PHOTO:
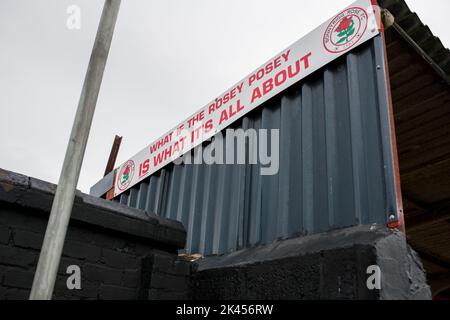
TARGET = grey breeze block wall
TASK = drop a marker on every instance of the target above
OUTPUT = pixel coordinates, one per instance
(331, 265)
(123, 253)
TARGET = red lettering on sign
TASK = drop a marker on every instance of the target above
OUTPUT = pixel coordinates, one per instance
(226, 98)
(231, 112)
(208, 126)
(197, 118)
(162, 156)
(144, 168)
(269, 68)
(281, 77)
(178, 146)
(161, 143)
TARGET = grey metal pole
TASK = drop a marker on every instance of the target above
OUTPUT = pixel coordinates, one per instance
(47, 268)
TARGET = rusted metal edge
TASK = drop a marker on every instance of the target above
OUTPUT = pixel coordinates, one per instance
(396, 219)
(113, 155)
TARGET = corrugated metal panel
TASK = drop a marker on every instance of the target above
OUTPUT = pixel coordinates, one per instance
(335, 166)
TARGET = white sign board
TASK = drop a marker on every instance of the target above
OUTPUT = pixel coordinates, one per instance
(351, 27)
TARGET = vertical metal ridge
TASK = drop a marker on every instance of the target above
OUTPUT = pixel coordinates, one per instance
(235, 207)
(320, 216)
(219, 212)
(307, 159)
(331, 141)
(356, 134)
(185, 193)
(226, 205)
(169, 197)
(394, 201)
(284, 168)
(159, 190)
(245, 226)
(344, 182)
(285, 165)
(143, 188)
(270, 196)
(207, 221)
(243, 210)
(164, 192)
(255, 196)
(149, 201)
(373, 157)
(195, 209)
(123, 198)
(178, 172)
(292, 121)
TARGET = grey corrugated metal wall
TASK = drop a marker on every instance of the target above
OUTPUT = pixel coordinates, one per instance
(335, 166)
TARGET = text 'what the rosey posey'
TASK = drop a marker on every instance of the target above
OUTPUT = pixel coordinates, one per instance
(224, 110)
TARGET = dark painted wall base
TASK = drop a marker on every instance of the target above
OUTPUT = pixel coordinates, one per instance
(328, 266)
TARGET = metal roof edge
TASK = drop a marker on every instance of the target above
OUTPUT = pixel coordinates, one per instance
(419, 36)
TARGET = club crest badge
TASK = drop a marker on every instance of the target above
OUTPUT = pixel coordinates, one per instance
(345, 30)
(125, 175)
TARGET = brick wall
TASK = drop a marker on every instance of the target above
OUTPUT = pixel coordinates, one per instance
(169, 277)
(123, 253)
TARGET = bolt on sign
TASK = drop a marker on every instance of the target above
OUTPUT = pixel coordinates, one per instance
(348, 29)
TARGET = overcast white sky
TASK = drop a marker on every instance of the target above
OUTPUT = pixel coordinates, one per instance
(168, 59)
